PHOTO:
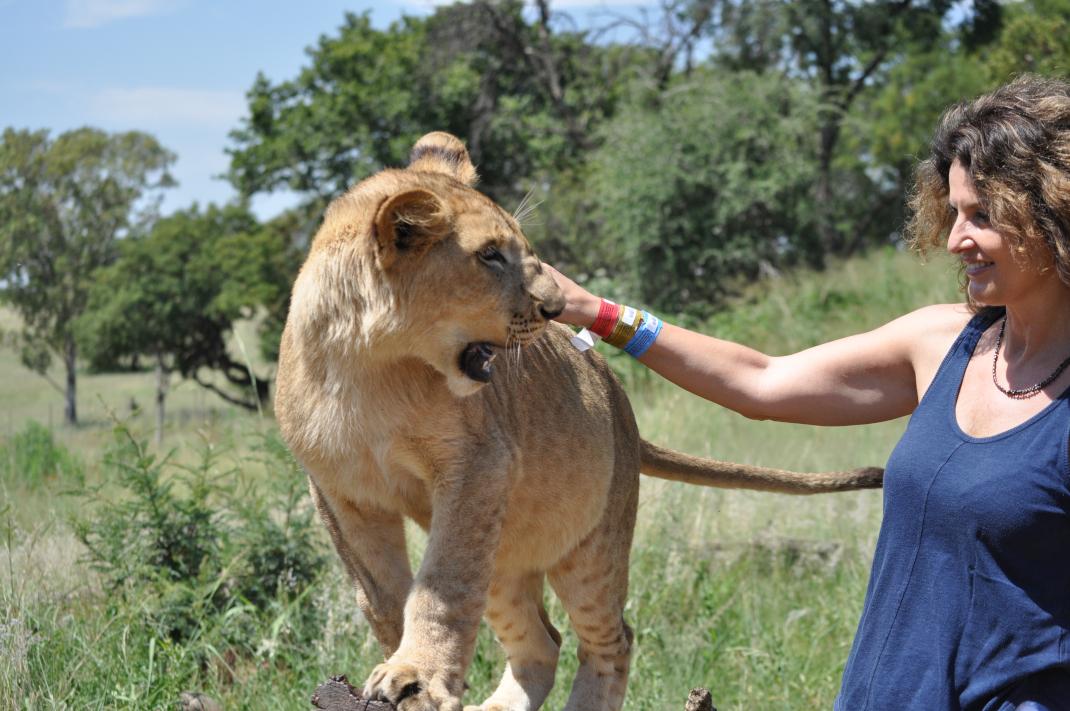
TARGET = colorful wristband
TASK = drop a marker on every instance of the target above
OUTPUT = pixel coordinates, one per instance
(608, 313)
(648, 332)
(628, 323)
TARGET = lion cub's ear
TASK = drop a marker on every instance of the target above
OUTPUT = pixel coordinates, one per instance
(408, 224)
(442, 152)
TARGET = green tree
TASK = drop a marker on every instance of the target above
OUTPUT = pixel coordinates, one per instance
(705, 187)
(175, 293)
(891, 128)
(63, 205)
(845, 50)
(525, 100)
(1035, 38)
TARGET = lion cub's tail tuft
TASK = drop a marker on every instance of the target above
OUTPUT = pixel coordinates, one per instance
(675, 466)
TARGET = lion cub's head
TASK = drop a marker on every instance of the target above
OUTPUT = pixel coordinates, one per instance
(415, 263)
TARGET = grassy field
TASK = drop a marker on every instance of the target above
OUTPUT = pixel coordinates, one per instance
(755, 596)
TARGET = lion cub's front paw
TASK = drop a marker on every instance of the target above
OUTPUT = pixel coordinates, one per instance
(410, 688)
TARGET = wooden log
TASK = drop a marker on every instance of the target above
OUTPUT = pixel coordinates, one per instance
(337, 694)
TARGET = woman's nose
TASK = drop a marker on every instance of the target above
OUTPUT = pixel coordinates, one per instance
(958, 241)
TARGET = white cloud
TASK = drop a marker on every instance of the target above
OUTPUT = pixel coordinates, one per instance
(93, 13)
(164, 106)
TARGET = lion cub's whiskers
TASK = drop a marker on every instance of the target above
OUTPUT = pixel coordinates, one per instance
(513, 347)
(526, 207)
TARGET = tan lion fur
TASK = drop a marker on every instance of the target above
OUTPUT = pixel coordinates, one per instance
(533, 475)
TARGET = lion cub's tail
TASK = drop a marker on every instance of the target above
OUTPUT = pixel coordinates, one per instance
(667, 464)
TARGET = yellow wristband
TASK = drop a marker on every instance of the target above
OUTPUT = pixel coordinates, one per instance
(627, 324)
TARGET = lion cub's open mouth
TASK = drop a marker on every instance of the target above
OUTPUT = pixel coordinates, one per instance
(477, 361)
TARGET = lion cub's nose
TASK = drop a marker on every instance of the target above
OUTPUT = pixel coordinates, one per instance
(549, 314)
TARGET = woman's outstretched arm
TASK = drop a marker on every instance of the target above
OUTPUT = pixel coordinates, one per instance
(868, 377)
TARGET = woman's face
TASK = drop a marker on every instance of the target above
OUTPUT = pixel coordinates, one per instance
(995, 277)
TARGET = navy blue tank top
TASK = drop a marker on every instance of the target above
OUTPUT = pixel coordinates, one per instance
(970, 587)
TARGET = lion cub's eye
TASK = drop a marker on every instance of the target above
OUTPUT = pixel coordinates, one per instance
(491, 256)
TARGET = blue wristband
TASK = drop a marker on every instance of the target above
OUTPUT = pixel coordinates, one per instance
(645, 336)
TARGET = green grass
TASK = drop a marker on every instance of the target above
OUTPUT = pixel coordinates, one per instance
(104, 396)
(754, 596)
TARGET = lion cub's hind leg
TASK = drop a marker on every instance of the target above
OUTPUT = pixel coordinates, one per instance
(515, 611)
(592, 584)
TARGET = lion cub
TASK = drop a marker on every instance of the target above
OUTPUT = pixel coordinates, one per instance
(521, 466)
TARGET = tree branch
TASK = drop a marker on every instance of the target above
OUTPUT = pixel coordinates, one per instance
(860, 82)
(541, 61)
(674, 37)
(207, 385)
(59, 388)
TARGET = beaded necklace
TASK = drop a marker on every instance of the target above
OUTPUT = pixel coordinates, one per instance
(1022, 393)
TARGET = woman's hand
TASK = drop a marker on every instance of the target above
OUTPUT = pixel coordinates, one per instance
(581, 306)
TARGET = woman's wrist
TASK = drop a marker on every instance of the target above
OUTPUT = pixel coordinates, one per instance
(632, 330)
(581, 309)
(588, 310)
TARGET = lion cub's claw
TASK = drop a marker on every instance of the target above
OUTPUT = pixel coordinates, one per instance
(403, 684)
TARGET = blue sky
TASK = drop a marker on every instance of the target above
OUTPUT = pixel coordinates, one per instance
(178, 69)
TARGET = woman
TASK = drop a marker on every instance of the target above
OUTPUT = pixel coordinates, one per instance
(968, 604)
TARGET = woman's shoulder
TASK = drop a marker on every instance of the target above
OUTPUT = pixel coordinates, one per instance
(938, 321)
(928, 333)
(939, 318)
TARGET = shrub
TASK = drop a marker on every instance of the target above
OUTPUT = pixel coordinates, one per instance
(32, 457)
(212, 557)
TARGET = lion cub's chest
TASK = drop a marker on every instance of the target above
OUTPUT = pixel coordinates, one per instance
(397, 463)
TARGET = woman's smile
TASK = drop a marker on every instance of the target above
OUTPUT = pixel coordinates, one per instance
(975, 269)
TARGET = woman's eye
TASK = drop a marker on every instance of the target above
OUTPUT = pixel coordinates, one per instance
(980, 218)
(491, 255)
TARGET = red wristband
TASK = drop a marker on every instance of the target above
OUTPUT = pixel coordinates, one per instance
(607, 318)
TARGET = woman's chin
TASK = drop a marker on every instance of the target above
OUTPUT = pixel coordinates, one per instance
(981, 295)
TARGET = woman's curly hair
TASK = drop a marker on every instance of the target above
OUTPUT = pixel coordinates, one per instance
(1014, 143)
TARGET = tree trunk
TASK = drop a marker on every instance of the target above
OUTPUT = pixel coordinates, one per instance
(70, 411)
(163, 383)
(826, 228)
